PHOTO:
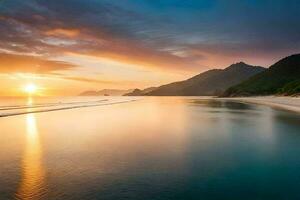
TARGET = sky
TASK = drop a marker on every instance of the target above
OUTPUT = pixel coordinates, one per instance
(69, 46)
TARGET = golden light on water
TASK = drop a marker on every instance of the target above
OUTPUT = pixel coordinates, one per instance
(32, 174)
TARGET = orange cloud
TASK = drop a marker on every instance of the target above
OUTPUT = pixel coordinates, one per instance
(98, 42)
(89, 80)
(63, 32)
(131, 52)
(2, 17)
(12, 63)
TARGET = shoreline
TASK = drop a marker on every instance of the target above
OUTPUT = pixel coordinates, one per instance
(286, 103)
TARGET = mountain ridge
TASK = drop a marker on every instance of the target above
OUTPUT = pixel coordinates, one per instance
(209, 83)
(283, 78)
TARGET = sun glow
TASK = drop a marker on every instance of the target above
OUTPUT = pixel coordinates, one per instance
(30, 88)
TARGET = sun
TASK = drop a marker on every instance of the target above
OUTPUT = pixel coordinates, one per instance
(30, 88)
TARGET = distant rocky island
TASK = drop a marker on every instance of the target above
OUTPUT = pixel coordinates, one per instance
(105, 92)
(138, 92)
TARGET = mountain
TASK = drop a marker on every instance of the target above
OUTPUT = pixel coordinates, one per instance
(281, 78)
(212, 82)
(105, 92)
(138, 92)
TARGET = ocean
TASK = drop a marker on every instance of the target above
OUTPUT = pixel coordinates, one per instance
(141, 148)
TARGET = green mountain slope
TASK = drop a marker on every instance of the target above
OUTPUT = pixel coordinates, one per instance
(212, 82)
(281, 78)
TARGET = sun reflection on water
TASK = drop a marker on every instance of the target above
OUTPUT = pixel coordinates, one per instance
(29, 101)
(32, 172)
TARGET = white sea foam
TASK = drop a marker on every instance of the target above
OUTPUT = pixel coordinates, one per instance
(6, 111)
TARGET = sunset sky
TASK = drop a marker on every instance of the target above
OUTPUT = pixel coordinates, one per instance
(68, 46)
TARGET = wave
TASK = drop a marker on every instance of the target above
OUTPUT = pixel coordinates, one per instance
(59, 106)
(16, 107)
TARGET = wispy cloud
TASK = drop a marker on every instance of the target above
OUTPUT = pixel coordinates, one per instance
(13, 63)
(163, 35)
(89, 80)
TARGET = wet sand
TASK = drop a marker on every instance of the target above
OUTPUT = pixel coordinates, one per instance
(287, 103)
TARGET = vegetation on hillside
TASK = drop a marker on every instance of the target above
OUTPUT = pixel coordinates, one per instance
(281, 78)
(210, 83)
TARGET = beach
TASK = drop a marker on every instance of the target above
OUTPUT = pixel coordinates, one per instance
(286, 103)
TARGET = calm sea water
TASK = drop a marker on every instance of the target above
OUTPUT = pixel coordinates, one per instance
(151, 148)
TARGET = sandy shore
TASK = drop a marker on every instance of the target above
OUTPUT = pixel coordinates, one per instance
(287, 103)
